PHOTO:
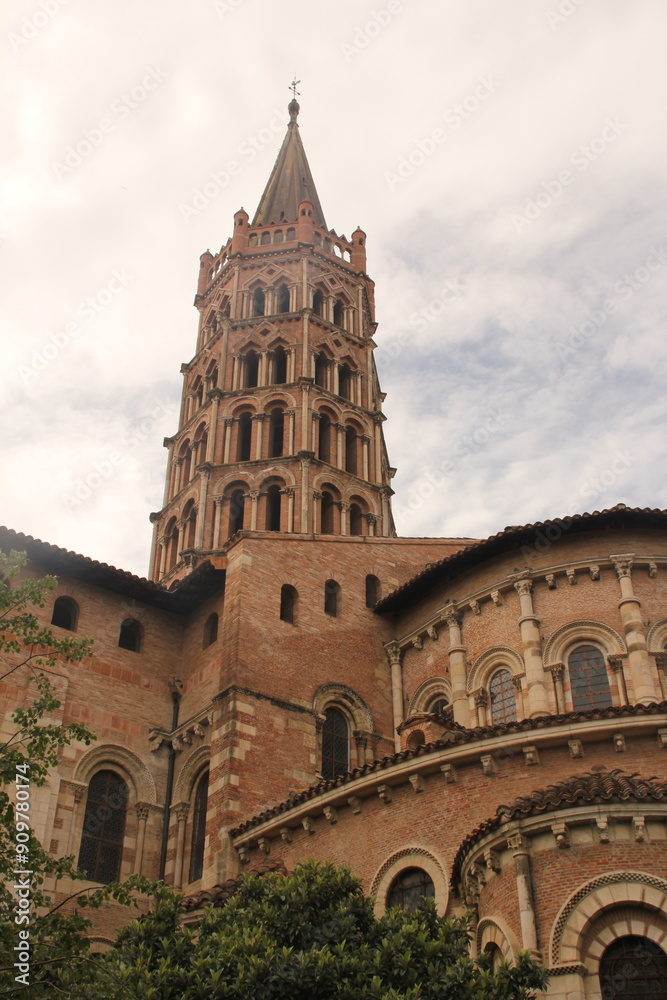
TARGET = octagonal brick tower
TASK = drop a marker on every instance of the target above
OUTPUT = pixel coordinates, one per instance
(281, 421)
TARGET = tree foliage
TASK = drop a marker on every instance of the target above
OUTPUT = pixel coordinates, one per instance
(308, 935)
(56, 935)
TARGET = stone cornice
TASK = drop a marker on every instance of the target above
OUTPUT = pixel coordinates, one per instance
(476, 602)
(466, 748)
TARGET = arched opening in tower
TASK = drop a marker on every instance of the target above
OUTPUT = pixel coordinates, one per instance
(273, 508)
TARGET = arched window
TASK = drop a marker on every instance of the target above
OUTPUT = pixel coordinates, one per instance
(278, 235)
(273, 508)
(318, 303)
(332, 598)
(335, 744)
(356, 520)
(372, 590)
(198, 829)
(130, 635)
(171, 543)
(503, 697)
(288, 603)
(633, 967)
(251, 369)
(324, 442)
(321, 370)
(283, 299)
(440, 706)
(290, 235)
(280, 365)
(65, 613)
(409, 888)
(264, 240)
(351, 450)
(103, 827)
(345, 381)
(338, 312)
(236, 511)
(416, 739)
(276, 433)
(588, 679)
(245, 437)
(190, 529)
(210, 630)
(258, 299)
(327, 527)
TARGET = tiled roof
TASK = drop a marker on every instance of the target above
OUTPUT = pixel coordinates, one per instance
(454, 734)
(619, 516)
(577, 790)
(218, 894)
(187, 594)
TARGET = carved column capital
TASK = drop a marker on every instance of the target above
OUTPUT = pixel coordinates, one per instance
(523, 587)
(481, 698)
(394, 653)
(623, 564)
(142, 810)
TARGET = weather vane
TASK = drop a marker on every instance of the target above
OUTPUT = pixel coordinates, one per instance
(293, 86)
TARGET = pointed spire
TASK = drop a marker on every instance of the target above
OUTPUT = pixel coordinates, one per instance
(291, 181)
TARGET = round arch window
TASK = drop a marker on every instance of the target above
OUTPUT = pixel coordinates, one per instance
(632, 967)
(409, 888)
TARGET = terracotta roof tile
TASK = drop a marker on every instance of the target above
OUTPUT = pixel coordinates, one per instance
(616, 516)
(577, 790)
(218, 894)
(454, 734)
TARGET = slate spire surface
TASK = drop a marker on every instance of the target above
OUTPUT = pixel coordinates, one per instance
(291, 181)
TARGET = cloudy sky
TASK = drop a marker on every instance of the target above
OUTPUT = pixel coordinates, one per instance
(506, 160)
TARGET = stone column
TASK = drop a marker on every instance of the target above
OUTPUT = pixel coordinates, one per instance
(262, 375)
(643, 684)
(289, 493)
(340, 445)
(372, 521)
(181, 810)
(524, 890)
(168, 473)
(254, 498)
(176, 476)
(333, 378)
(291, 414)
(344, 508)
(218, 503)
(229, 426)
(291, 363)
(394, 654)
(201, 518)
(481, 704)
(163, 558)
(305, 407)
(385, 512)
(142, 809)
(180, 525)
(378, 448)
(236, 371)
(365, 441)
(557, 670)
(616, 664)
(661, 664)
(305, 489)
(314, 444)
(213, 430)
(538, 698)
(457, 667)
(259, 424)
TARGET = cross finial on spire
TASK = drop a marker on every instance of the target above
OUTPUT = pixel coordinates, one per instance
(293, 85)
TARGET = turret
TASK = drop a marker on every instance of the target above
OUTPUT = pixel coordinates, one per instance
(240, 237)
(205, 262)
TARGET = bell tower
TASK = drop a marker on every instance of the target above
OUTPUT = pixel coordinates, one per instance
(281, 419)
